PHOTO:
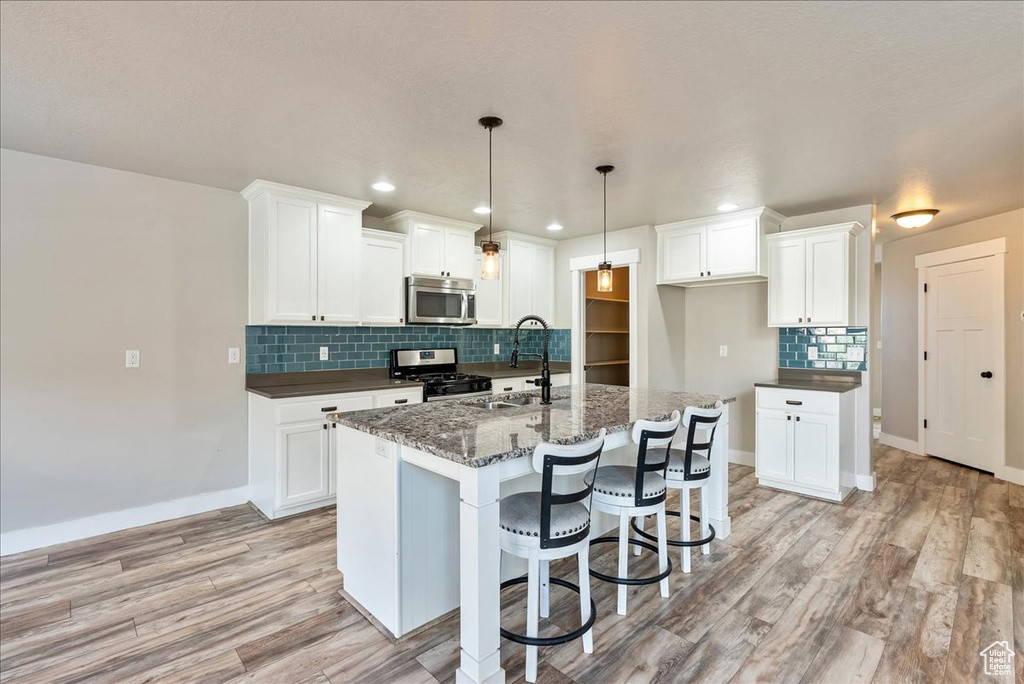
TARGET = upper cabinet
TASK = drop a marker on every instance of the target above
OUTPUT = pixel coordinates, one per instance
(304, 255)
(528, 272)
(437, 246)
(718, 250)
(812, 276)
(490, 295)
(383, 285)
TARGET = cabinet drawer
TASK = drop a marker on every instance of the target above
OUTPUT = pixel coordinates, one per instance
(798, 401)
(503, 385)
(398, 398)
(317, 409)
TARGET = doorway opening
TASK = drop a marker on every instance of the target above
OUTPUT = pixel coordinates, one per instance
(606, 326)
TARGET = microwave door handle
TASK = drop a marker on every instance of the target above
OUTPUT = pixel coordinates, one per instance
(465, 306)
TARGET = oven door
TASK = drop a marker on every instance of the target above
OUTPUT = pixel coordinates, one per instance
(441, 306)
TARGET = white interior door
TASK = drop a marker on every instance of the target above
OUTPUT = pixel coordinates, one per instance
(964, 387)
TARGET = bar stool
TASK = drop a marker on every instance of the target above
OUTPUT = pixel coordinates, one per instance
(544, 526)
(690, 470)
(637, 491)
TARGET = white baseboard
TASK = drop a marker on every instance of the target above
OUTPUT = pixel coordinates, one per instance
(900, 443)
(741, 457)
(877, 413)
(865, 482)
(83, 528)
(1010, 474)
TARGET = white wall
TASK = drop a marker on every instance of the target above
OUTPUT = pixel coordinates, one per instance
(899, 324)
(96, 261)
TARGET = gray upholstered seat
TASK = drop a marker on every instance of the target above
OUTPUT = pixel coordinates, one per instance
(520, 514)
(699, 465)
(620, 481)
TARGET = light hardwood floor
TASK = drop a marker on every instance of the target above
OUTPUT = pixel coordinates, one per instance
(905, 584)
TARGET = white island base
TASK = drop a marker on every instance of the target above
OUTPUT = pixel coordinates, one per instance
(418, 535)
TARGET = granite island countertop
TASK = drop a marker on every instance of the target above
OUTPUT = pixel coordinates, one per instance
(464, 432)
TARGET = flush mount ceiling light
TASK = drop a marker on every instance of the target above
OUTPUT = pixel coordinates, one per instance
(914, 219)
(728, 207)
(383, 186)
(491, 266)
(555, 226)
(604, 269)
(482, 210)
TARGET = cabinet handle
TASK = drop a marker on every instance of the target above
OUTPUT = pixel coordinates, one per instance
(328, 409)
(401, 401)
(325, 426)
(321, 318)
(709, 272)
(808, 319)
(314, 317)
(800, 320)
(794, 402)
(789, 417)
(798, 419)
(702, 274)
(506, 389)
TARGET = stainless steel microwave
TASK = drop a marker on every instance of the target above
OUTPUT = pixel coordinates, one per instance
(440, 301)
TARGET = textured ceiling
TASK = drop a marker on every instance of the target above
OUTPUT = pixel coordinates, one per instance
(802, 107)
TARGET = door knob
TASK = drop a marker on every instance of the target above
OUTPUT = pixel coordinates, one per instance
(986, 374)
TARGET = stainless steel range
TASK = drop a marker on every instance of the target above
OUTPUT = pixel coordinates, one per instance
(437, 369)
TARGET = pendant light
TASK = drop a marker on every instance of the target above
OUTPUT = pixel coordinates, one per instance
(491, 265)
(604, 269)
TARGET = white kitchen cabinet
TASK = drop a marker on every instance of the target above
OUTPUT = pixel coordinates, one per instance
(813, 276)
(304, 248)
(437, 246)
(293, 447)
(382, 290)
(717, 250)
(529, 276)
(520, 384)
(490, 296)
(805, 441)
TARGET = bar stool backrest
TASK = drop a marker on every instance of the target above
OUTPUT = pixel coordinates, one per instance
(653, 435)
(704, 421)
(560, 460)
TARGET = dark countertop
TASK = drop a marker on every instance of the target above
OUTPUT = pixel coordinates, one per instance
(314, 383)
(464, 432)
(814, 380)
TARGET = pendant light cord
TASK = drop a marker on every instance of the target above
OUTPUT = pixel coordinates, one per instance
(490, 184)
(604, 232)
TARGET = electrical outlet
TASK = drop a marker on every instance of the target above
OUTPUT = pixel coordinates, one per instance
(380, 447)
(723, 350)
(234, 355)
(812, 353)
(497, 348)
(855, 353)
(131, 358)
(325, 354)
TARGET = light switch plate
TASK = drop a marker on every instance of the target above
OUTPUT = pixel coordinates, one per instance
(132, 358)
(234, 355)
(325, 354)
(723, 350)
(497, 348)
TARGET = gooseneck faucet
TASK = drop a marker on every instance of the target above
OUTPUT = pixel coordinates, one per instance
(544, 381)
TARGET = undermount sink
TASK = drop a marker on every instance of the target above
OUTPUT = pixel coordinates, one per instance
(493, 405)
(514, 402)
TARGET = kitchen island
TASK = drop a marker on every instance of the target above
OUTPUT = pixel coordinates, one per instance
(418, 491)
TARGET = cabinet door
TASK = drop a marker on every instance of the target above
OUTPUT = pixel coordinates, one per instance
(503, 385)
(543, 295)
(291, 260)
(519, 279)
(489, 302)
(815, 453)
(682, 256)
(382, 290)
(303, 463)
(427, 256)
(338, 243)
(827, 280)
(786, 282)
(731, 249)
(774, 455)
(459, 253)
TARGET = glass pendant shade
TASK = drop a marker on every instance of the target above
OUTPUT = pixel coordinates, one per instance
(490, 268)
(604, 276)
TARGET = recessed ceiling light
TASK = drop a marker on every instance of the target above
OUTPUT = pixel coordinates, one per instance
(482, 210)
(555, 226)
(914, 219)
(728, 207)
(383, 186)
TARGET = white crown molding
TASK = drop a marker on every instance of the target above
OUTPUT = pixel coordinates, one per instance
(104, 523)
(385, 235)
(772, 216)
(854, 228)
(258, 187)
(410, 215)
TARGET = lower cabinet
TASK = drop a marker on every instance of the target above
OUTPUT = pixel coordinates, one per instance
(805, 441)
(293, 447)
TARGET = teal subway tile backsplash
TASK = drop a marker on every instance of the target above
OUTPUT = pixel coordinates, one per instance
(294, 348)
(823, 348)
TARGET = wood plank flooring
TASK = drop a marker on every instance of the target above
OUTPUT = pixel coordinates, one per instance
(904, 584)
